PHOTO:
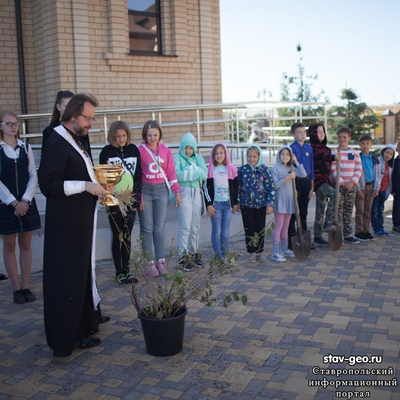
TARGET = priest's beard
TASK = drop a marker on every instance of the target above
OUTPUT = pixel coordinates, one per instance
(80, 130)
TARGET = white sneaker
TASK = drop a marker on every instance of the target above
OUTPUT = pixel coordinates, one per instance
(288, 253)
(278, 258)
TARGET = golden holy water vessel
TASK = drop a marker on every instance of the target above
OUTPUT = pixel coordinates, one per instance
(108, 175)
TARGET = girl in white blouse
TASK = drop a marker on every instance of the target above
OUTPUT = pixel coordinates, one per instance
(18, 211)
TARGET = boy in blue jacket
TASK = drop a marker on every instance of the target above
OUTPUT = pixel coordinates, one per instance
(304, 186)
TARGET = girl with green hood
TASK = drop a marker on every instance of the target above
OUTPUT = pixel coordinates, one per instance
(256, 199)
(191, 171)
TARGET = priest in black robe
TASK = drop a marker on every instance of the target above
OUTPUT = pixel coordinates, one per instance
(66, 178)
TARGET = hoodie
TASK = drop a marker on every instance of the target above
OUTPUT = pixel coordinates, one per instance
(284, 202)
(190, 171)
(232, 172)
(151, 166)
(256, 185)
(322, 157)
(391, 184)
(209, 190)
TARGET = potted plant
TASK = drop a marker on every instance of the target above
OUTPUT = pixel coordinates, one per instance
(161, 303)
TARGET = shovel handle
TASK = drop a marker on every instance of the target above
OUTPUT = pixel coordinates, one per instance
(337, 189)
(296, 205)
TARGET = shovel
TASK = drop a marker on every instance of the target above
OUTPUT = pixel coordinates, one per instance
(301, 242)
(335, 237)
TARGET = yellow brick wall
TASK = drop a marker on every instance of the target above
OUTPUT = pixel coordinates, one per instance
(83, 46)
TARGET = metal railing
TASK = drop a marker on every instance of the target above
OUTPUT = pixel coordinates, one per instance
(233, 114)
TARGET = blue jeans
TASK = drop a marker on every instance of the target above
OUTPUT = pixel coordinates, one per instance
(378, 207)
(155, 197)
(189, 214)
(220, 228)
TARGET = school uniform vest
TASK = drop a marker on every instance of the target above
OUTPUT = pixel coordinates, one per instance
(14, 175)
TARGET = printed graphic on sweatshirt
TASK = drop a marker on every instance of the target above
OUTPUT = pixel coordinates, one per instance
(154, 168)
(129, 163)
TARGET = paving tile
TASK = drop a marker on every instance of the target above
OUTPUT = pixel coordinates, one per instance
(341, 303)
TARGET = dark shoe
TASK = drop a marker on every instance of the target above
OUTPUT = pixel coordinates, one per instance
(121, 279)
(196, 258)
(368, 236)
(29, 296)
(19, 297)
(321, 242)
(131, 278)
(312, 248)
(61, 353)
(87, 343)
(351, 240)
(381, 233)
(329, 227)
(185, 264)
(3, 277)
(103, 319)
(396, 230)
(361, 237)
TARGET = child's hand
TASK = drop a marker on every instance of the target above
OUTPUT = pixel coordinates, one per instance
(141, 207)
(21, 208)
(338, 156)
(178, 199)
(376, 192)
(292, 175)
(349, 185)
(294, 159)
(235, 208)
(270, 210)
(211, 211)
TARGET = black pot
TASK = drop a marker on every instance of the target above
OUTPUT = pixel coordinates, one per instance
(164, 337)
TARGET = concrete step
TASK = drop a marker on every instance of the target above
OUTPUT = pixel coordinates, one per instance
(103, 242)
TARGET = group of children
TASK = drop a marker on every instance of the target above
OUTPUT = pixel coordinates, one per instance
(220, 190)
(365, 182)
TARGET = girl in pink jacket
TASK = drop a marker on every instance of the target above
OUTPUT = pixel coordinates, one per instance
(158, 176)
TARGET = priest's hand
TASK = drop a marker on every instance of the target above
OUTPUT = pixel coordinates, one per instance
(94, 188)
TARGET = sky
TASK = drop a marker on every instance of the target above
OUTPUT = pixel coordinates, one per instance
(348, 43)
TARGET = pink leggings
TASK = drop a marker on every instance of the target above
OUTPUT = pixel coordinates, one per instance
(280, 231)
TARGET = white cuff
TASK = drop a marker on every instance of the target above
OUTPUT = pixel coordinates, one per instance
(73, 187)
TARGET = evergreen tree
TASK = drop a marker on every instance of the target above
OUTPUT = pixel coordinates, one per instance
(299, 88)
(354, 114)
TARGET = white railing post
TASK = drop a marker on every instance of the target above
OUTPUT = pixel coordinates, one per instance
(105, 127)
(198, 125)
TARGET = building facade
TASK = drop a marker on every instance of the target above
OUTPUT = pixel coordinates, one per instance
(134, 53)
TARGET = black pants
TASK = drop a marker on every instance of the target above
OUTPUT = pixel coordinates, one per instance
(121, 228)
(303, 187)
(396, 210)
(254, 222)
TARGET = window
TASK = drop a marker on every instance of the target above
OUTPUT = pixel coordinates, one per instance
(144, 26)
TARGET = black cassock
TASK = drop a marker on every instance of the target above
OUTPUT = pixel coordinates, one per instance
(69, 289)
